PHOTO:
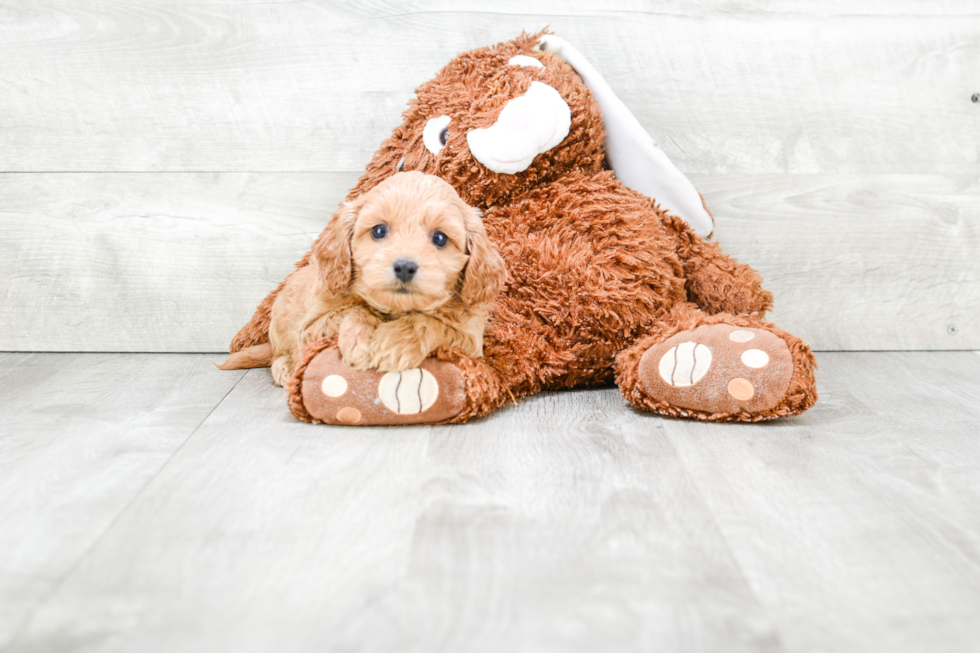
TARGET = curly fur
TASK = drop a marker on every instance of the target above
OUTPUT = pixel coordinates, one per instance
(597, 272)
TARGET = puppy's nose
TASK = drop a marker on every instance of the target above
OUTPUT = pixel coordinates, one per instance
(405, 269)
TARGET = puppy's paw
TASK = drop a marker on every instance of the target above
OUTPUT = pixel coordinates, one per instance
(355, 349)
(397, 361)
(354, 342)
(357, 358)
(281, 370)
(396, 347)
(314, 331)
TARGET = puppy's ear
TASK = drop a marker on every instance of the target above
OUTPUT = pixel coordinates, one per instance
(332, 250)
(485, 272)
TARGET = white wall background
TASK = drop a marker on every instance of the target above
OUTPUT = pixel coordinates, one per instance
(164, 163)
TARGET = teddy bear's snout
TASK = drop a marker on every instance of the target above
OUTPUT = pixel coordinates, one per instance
(528, 126)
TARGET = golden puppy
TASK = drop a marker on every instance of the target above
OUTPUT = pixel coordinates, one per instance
(400, 271)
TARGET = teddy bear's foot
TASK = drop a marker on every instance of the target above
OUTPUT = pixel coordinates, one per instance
(726, 372)
(323, 389)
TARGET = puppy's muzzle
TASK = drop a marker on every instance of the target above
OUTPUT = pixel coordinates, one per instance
(405, 269)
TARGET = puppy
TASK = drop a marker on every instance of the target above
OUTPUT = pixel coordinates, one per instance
(400, 271)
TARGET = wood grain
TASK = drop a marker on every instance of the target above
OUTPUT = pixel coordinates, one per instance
(567, 523)
(858, 527)
(80, 437)
(860, 262)
(149, 262)
(755, 87)
(833, 140)
(178, 262)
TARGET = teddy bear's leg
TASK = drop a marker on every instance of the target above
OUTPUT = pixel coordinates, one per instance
(716, 282)
(448, 387)
(719, 367)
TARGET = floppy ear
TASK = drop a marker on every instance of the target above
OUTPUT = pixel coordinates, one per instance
(331, 251)
(631, 152)
(485, 272)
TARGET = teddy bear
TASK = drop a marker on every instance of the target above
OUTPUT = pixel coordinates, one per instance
(610, 277)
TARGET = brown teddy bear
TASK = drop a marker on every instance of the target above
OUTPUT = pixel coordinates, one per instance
(604, 284)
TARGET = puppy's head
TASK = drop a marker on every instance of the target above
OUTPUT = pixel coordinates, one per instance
(409, 244)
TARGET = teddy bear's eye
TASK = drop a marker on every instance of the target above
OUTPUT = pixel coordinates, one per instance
(379, 231)
(436, 134)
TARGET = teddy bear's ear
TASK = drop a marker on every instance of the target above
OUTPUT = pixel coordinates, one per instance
(634, 156)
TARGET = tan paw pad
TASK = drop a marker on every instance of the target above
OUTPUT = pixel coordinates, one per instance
(741, 389)
(348, 415)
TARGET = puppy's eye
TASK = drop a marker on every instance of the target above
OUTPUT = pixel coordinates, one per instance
(379, 231)
(440, 239)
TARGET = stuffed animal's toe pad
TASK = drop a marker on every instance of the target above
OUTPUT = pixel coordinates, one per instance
(718, 368)
(336, 394)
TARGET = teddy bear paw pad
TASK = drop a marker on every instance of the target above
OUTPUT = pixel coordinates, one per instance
(409, 392)
(336, 394)
(718, 368)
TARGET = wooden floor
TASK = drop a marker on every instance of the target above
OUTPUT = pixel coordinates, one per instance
(153, 503)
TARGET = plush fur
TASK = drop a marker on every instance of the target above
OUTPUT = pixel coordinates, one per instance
(597, 272)
(350, 288)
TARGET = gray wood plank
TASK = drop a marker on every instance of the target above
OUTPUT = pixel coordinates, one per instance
(565, 524)
(878, 262)
(80, 437)
(149, 262)
(858, 524)
(750, 87)
(178, 261)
